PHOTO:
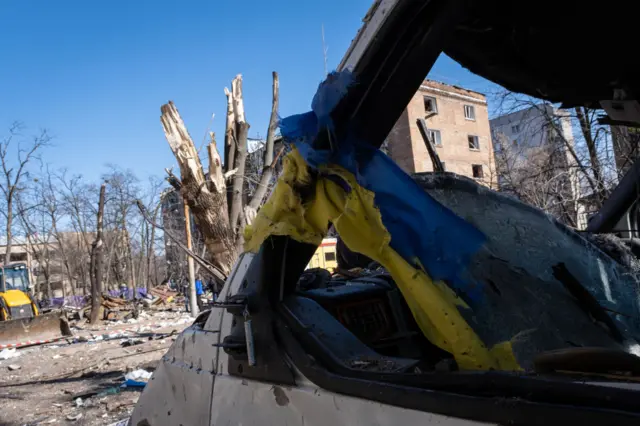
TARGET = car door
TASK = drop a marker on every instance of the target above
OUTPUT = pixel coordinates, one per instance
(180, 389)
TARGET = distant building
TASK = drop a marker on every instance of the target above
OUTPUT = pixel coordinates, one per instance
(172, 211)
(43, 256)
(531, 148)
(458, 123)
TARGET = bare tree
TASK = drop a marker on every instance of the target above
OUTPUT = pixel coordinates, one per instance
(75, 195)
(148, 234)
(53, 209)
(123, 191)
(35, 245)
(97, 249)
(13, 173)
(563, 161)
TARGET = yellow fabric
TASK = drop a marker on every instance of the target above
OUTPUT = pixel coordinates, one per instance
(360, 226)
(284, 212)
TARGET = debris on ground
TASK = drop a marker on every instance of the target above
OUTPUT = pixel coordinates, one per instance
(137, 378)
(131, 342)
(92, 378)
(74, 417)
(9, 353)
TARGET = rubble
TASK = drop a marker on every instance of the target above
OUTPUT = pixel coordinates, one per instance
(8, 353)
(91, 374)
(74, 417)
(137, 378)
(131, 342)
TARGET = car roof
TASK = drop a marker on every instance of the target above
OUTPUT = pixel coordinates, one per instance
(553, 50)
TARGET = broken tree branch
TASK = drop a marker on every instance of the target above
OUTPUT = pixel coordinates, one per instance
(216, 175)
(268, 164)
(209, 207)
(229, 134)
(242, 130)
(210, 268)
(173, 179)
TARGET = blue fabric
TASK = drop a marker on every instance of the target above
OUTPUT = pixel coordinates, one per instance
(199, 290)
(423, 231)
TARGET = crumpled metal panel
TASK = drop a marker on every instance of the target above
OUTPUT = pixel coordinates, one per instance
(180, 390)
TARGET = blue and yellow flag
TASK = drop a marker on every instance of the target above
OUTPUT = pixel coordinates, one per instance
(379, 211)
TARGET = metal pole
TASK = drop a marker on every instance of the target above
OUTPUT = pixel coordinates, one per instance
(193, 302)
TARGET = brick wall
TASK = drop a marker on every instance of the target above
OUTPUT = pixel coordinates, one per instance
(407, 148)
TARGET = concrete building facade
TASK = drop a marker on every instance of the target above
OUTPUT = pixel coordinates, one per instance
(532, 156)
(458, 123)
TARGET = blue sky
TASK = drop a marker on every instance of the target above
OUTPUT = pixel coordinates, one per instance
(94, 73)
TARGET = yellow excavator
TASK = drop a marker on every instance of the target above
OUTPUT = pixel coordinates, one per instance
(21, 322)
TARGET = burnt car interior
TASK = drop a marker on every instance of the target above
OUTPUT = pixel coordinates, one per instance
(364, 322)
(355, 335)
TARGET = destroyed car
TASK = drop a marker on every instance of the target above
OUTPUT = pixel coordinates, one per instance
(482, 310)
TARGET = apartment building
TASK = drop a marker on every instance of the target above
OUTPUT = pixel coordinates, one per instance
(532, 159)
(458, 123)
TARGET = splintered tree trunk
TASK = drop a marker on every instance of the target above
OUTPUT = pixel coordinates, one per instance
(230, 145)
(242, 131)
(229, 135)
(96, 261)
(268, 163)
(208, 202)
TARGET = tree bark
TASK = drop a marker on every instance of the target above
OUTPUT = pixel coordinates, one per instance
(129, 255)
(242, 131)
(229, 135)
(238, 178)
(7, 254)
(268, 163)
(585, 127)
(150, 249)
(193, 298)
(96, 260)
(209, 207)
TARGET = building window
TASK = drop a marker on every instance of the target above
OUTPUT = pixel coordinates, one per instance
(330, 257)
(430, 105)
(474, 143)
(516, 142)
(515, 128)
(477, 171)
(469, 112)
(434, 136)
